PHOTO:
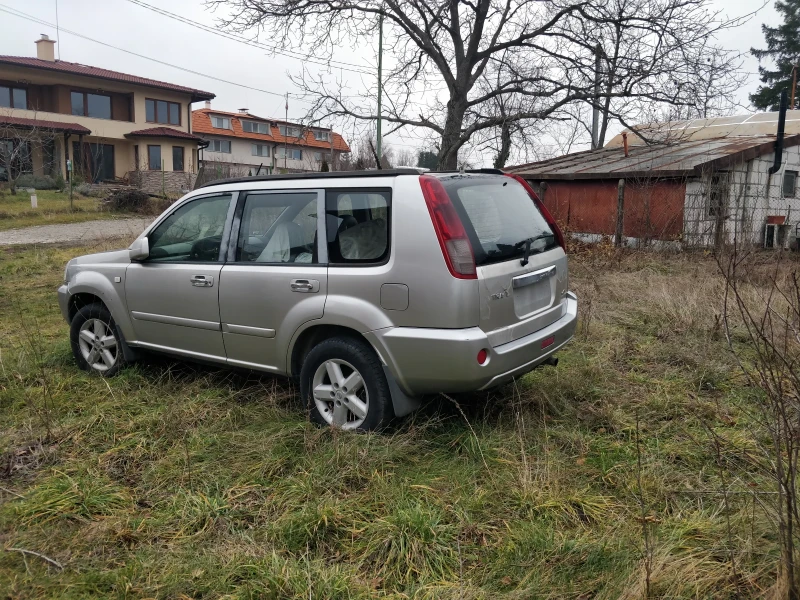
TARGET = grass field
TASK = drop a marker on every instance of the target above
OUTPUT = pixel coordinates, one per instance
(53, 207)
(180, 481)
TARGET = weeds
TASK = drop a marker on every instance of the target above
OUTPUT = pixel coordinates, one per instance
(173, 480)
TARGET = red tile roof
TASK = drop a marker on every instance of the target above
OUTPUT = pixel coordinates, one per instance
(201, 123)
(166, 132)
(63, 66)
(42, 124)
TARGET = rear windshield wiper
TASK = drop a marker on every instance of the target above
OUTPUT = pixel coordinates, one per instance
(527, 243)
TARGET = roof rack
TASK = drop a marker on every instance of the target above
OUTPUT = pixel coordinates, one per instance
(316, 175)
(341, 174)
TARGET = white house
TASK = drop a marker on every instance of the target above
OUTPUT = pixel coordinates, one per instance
(241, 144)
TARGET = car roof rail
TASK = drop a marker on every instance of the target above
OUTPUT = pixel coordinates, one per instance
(317, 175)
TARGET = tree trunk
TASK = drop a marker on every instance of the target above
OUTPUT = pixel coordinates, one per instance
(505, 146)
(451, 135)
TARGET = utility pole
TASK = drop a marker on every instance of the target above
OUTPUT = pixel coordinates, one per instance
(794, 85)
(331, 167)
(598, 51)
(285, 132)
(380, 83)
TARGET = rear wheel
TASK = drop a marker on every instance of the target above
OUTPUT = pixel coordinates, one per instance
(95, 342)
(343, 384)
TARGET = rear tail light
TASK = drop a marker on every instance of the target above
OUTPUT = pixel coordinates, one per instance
(542, 209)
(450, 230)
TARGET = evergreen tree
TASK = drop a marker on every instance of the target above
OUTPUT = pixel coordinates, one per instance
(428, 159)
(325, 168)
(783, 48)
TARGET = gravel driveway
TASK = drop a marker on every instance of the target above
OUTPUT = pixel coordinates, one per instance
(75, 232)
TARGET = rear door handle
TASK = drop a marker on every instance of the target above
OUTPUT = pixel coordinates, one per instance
(307, 286)
(202, 280)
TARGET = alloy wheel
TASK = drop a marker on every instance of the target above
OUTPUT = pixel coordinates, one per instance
(98, 345)
(340, 394)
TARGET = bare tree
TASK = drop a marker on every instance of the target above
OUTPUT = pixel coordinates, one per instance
(364, 155)
(404, 158)
(18, 142)
(453, 59)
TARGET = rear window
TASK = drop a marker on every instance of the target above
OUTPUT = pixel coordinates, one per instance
(500, 218)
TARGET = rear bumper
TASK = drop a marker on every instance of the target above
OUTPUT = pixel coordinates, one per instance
(425, 361)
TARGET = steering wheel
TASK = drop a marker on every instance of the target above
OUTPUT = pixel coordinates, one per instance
(206, 249)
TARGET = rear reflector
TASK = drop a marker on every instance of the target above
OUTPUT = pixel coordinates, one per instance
(482, 356)
(450, 230)
(548, 341)
(542, 209)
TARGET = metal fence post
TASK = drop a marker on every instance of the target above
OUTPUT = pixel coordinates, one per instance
(620, 212)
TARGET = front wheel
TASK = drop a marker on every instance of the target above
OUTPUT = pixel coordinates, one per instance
(95, 342)
(343, 384)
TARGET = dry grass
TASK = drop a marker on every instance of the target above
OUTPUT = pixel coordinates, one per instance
(53, 208)
(175, 481)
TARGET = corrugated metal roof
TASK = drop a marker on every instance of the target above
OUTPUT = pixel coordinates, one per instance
(750, 124)
(63, 66)
(681, 159)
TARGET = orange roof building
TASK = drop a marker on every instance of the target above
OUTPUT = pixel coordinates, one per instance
(241, 143)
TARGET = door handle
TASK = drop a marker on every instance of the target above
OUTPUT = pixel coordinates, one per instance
(202, 280)
(308, 286)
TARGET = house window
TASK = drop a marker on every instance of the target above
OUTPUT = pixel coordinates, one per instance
(320, 156)
(789, 184)
(221, 122)
(291, 153)
(322, 136)
(717, 194)
(154, 158)
(254, 127)
(223, 146)
(96, 106)
(260, 150)
(289, 131)
(161, 111)
(177, 158)
(13, 97)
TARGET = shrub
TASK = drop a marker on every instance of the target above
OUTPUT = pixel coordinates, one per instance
(129, 201)
(60, 183)
(39, 182)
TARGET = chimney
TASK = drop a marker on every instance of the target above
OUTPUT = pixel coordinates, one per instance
(45, 48)
(625, 142)
(243, 111)
(208, 104)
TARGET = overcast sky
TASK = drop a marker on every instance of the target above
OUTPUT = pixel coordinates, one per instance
(131, 27)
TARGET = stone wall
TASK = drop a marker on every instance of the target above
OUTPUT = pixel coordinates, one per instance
(162, 182)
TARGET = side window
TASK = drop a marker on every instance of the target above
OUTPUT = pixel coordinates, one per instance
(192, 233)
(357, 225)
(278, 228)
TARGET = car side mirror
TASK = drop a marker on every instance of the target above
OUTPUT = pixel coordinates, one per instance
(140, 249)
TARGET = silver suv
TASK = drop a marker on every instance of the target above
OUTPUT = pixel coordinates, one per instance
(371, 288)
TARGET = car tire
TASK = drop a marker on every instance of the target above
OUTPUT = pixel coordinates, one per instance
(333, 365)
(95, 341)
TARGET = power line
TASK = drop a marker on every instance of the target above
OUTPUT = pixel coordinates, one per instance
(28, 17)
(352, 67)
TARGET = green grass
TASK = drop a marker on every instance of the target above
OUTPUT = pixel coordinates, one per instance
(53, 208)
(173, 480)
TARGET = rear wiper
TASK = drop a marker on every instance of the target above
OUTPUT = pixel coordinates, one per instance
(527, 242)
